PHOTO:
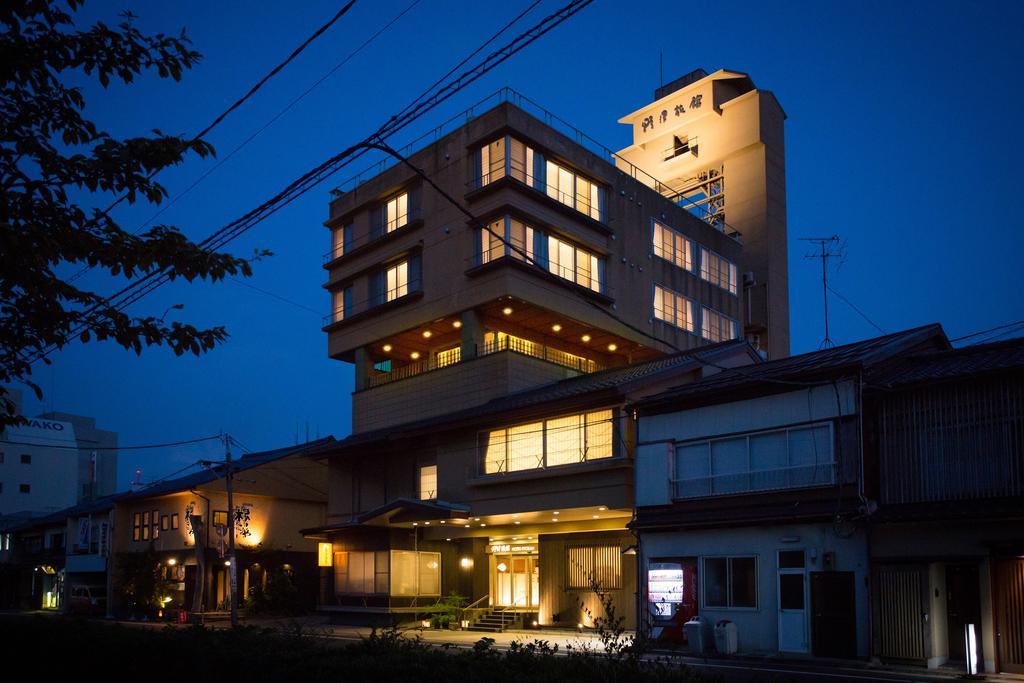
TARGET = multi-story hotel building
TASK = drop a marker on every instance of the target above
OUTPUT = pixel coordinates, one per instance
(503, 297)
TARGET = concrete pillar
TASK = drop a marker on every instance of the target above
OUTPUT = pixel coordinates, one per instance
(363, 365)
(472, 334)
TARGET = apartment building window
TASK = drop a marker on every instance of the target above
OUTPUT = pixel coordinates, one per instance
(718, 270)
(575, 264)
(563, 440)
(24, 488)
(341, 241)
(26, 459)
(673, 308)
(174, 520)
(341, 302)
(154, 522)
(794, 457)
(717, 326)
(145, 526)
(730, 582)
(573, 190)
(590, 566)
(519, 162)
(507, 237)
(397, 279)
(415, 573)
(396, 212)
(1, 487)
(428, 482)
(1, 457)
(672, 246)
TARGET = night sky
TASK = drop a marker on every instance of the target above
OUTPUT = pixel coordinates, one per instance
(902, 138)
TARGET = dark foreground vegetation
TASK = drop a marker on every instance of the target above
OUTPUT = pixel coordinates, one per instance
(67, 648)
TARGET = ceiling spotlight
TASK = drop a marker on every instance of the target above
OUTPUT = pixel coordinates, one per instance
(556, 328)
(507, 310)
(414, 355)
(585, 338)
(516, 522)
(555, 512)
(602, 508)
(595, 516)
(476, 519)
(457, 324)
(387, 348)
(427, 334)
(612, 347)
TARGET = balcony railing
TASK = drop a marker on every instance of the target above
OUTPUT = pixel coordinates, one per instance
(562, 126)
(732, 483)
(514, 344)
(571, 199)
(394, 294)
(347, 246)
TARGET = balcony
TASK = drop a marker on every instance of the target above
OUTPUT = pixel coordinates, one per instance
(394, 296)
(755, 481)
(498, 344)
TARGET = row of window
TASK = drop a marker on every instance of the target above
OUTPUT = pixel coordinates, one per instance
(549, 443)
(510, 157)
(386, 285)
(147, 526)
(678, 310)
(676, 248)
(418, 573)
(390, 215)
(511, 237)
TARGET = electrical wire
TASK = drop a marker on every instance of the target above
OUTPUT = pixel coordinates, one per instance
(859, 312)
(991, 329)
(156, 278)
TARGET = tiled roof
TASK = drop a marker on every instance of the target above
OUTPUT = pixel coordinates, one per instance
(973, 360)
(618, 380)
(808, 367)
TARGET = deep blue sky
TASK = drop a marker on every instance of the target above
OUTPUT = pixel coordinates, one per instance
(902, 137)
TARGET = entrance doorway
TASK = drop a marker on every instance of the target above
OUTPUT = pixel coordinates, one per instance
(1009, 592)
(833, 615)
(792, 601)
(516, 581)
(963, 606)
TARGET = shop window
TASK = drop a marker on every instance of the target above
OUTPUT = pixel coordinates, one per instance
(594, 566)
(415, 573)
(730, 582)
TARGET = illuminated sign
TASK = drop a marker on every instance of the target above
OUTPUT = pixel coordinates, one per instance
(512, 548)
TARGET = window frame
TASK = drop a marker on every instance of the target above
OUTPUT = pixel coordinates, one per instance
(705, 326)
(731, 271)
(421, 470)
(689, 304)
(688, 252)
(573, 576)
(704, 583)
(509, 439)
(401, 204)
(402, 287)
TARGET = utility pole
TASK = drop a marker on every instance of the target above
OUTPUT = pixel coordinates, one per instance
(232, 564)
(824, 253)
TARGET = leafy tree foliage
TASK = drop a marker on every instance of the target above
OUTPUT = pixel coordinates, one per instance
(51, 157)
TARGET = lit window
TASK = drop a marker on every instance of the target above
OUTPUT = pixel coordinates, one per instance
(492, 161)
(340, 240)
(573, 190)
(575, 264)
(428, 482)
(717, 327)
(360, 573)
(415, 573)
(558, 441)
(594, 567)
(717, 270)
(496, 164)
(449, 356)
(338, 306)
(396, 212)
(673, 308)
(398, 280)
(730, 582)
(506, 237)
(672, 246)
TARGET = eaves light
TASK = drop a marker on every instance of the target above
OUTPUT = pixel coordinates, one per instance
(427, 334)
(387, 348)
(556, 328)
(507, 310)
(457, 324)
(414, 355)
(612, 347)
(585, 338)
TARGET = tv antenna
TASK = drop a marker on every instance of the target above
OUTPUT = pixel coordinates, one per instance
(828, 248)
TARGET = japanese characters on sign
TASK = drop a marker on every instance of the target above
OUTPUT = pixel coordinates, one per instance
(648, 123)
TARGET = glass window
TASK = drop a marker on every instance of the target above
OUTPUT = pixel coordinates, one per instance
(398, 280)
(673, 308)
(730, 582)
(396, 212)
(506, 237)
(717, 270)
(338, 305)
(26, 459)
(354, 572)
(24, 488)
(575, 264)
(339, 240)
(717, 327)
(557, 441)
(415, 573)
(672, 246)
(573, 190)
(428, 482)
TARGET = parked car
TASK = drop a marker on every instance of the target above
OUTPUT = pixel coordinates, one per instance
(88, 600)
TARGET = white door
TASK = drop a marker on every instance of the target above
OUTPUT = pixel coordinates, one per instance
(792, 586)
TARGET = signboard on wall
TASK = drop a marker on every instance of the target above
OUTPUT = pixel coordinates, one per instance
(512, 548)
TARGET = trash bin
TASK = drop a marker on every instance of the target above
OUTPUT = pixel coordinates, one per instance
(699, 635)
(726, 637)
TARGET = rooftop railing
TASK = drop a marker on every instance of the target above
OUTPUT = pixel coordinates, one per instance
(564, 127)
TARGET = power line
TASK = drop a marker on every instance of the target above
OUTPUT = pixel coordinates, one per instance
(859, 312)
(276, 296)
(223, 160)
(992, 329)
(137, 289)
(224, 114)
(115, 448)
